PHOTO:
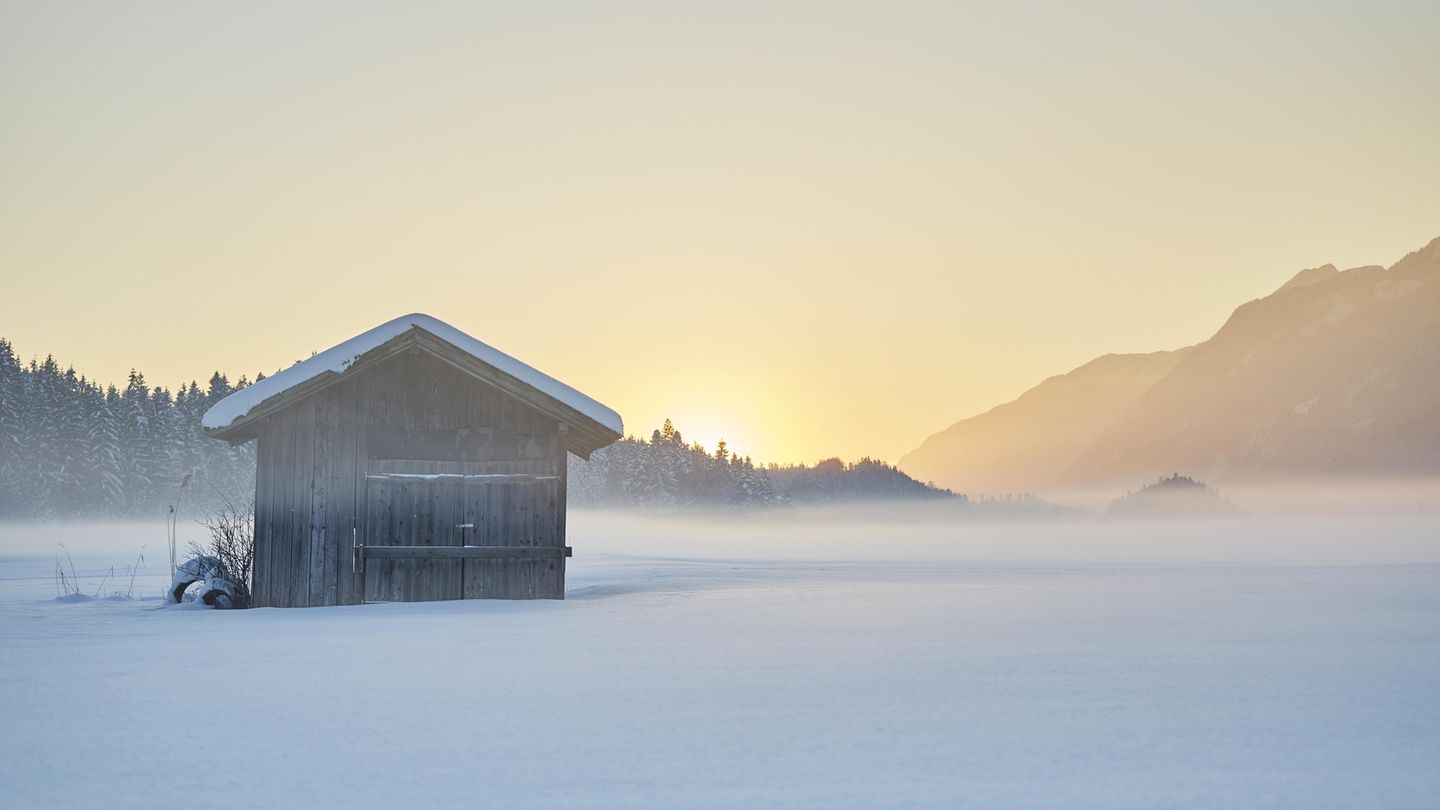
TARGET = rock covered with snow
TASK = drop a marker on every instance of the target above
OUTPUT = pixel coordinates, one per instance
(217, 588)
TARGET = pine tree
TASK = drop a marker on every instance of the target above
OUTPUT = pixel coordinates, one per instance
(76, 481)
(45, 459)
(69, 448)
(11, 387)
(218, 389)
(135, 438)
(103, 456)
(166, 440)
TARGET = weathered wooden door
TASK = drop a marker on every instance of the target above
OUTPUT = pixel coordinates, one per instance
(409, 504)
(419, 503)
(519, 511)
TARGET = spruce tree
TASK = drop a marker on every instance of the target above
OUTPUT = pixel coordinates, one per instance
(11, 386)
(103, 456)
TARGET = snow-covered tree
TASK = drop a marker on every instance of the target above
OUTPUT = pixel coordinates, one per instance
(70, 449)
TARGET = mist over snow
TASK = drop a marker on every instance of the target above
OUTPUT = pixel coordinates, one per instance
(876, 657)
(984, 445)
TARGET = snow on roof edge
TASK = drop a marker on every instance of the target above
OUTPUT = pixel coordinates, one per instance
(338, 358)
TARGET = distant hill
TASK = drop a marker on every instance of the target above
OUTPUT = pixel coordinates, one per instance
(667, 472)
(1176, 496)
(1333, 374)
(1336, 373)
(864, 480)
(1031, 443)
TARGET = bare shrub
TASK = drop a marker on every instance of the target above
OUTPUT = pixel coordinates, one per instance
(132, 570)
(66, 586)
(232, 542)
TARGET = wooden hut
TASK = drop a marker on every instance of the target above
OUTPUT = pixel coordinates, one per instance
(410, 463)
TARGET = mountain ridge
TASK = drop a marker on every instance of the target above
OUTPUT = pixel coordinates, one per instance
(1105, 386)
(1330, 374)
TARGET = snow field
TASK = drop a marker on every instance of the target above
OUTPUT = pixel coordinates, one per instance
(762, 662)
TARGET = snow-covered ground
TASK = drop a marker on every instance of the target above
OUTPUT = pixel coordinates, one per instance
(760, 663)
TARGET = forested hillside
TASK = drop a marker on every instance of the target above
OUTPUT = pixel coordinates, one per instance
(665, 471)
(71, 449)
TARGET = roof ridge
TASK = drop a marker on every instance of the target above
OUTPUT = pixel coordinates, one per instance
(338, 359)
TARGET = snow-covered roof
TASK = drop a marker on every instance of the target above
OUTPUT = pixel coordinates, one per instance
(337, 360)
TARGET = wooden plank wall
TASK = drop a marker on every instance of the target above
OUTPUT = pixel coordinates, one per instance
(284, 500)
(313, 496)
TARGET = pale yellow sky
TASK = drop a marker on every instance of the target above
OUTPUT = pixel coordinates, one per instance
(818, 229)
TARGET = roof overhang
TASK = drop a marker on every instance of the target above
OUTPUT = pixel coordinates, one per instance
(584, 433)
